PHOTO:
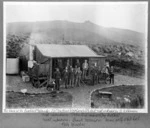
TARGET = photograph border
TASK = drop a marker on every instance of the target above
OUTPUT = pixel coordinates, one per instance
(71, 110)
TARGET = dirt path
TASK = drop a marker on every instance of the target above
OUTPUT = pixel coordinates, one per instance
(81, 95)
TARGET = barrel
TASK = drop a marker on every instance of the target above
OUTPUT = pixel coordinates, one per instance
(12, 66)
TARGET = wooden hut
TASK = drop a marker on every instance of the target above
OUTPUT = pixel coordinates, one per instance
(48, 56)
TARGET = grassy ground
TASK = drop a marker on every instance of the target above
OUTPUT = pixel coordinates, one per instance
(81, 96)
(122, 97)
(43, 100)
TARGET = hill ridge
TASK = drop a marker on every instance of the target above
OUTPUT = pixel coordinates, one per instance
(86, 31)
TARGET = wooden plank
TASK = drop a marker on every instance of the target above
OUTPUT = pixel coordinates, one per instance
(41, 78)
(46, 81)
(104, 94)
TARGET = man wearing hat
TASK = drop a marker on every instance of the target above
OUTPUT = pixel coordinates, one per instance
(57, 76)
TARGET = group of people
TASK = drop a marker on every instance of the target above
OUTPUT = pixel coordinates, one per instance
(72, 77)
(107, 72)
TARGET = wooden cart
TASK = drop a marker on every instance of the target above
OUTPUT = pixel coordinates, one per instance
(39, 75)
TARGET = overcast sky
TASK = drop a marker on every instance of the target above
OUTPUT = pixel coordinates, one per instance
(125, 15)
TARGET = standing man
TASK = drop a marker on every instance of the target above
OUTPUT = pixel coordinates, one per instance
(57, 76)
(69, 71)
(107, 71)
(78, 63)
(94, 73)
(112, 75)
(68, 64)
(65, 76)
(60, 66)
(71, 75)
(99, 74)
(75, 75)
(85, 67)
(79, 73)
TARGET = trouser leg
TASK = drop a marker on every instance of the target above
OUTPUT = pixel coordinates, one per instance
(72, 82)
(66, 82)
(56, 84)
(93, 79)
(113, 78)
(110, 78)
(83, 74)
(58, 87)
(78, 82)
(98, 78)
(106, 78)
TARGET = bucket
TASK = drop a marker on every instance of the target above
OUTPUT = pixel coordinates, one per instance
(12, 66)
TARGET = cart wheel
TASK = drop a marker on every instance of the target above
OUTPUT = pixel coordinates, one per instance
(37, 84)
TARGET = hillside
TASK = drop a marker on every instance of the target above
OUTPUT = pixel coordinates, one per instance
(86, 32)
(123, 48)
(128, 59)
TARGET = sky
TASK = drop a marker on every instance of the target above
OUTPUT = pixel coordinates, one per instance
(126, 15)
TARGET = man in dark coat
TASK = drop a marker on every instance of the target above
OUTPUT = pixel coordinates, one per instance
(57, 76)
(65, 76)
(111, 75)
(99, 73)
(60, 66)
(71, 75)
(85, 67)
(107, 72)
(94, 73)
(69, 71)
(75, 75)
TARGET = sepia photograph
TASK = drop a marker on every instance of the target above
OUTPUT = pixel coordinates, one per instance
(75, 57)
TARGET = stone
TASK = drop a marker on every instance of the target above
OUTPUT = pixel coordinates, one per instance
(105, 94)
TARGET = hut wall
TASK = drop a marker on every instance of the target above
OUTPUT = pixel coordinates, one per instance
(39, 58)
(99, 60)
(23, 63)
(43, 69)
(44, 64)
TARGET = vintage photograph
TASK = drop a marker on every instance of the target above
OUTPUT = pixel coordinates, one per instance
(87, 56)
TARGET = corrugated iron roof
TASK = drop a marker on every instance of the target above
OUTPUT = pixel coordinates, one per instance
(61, 51)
